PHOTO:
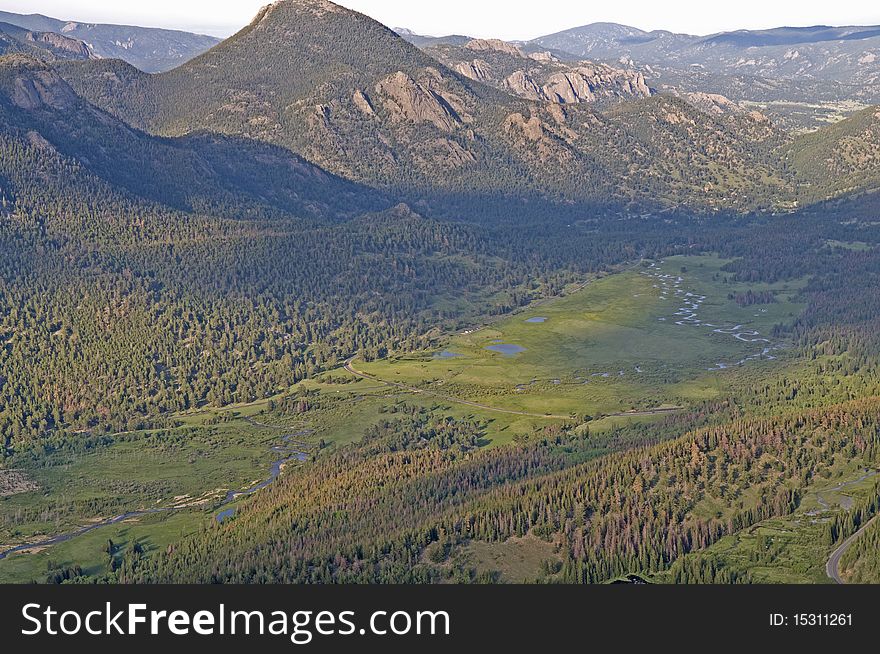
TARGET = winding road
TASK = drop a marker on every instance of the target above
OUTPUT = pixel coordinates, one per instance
(457, 400)
(832, 568)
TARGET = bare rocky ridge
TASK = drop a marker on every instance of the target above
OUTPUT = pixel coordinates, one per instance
(540, 76)
(58, 43)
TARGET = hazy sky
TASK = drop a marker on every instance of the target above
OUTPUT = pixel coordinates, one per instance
(512, 19)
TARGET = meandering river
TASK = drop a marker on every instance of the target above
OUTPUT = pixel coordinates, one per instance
(292, 448)
(670, 287)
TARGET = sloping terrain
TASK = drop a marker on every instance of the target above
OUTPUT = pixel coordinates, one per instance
(196, 173)
(353, 97)
(150, 49)
(539, 76)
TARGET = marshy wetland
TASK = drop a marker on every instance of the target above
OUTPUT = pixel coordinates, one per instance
(626, 347)
(663, 334)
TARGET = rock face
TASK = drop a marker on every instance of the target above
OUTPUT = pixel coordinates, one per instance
(46, 46)
(362, 102)
(65, 46)
(417, 102)
(477, 70)
(495, 45)
(540, 76)
(32, 87)
(591, 83)
(521, 84)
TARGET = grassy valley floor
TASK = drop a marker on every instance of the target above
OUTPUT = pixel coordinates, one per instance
(625, 348)
(664, 335)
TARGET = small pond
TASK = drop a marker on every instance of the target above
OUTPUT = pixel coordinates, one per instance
(507, 349)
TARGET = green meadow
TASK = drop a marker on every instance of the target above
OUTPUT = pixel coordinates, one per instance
(153, 533)
(144, 470)
(609, 348)
(189, 469)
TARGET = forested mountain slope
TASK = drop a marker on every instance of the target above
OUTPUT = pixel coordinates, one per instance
(396, 507)
(353, 97)
(150, 49)
(840, 158)
(205, 172)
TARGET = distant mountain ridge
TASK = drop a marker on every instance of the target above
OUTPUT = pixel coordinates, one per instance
(351, 96)
(539, 75)
(43, 45)
(147, 48)
(794, 63)
(612, 39)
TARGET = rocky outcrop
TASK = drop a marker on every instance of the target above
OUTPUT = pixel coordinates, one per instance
(531, 128)
(33, 87)
(540, 76)
(447, 154)
(539, 141)
(719, 106)
(582, 84)
(362, 102)
(592, 83)
(524, 86)
(477, 69)
(543, 57)
(405, 99)
(713, 104)
(495, 45)
(64, 46)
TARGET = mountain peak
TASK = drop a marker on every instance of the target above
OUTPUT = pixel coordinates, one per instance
(317, 8)
(304, 41)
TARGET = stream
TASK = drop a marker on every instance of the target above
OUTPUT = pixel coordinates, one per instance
(670, 286)
(292, 448)
(845, 501)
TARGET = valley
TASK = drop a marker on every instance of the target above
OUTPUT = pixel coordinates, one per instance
(329, 302)
(606, 354)
(629, 342)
